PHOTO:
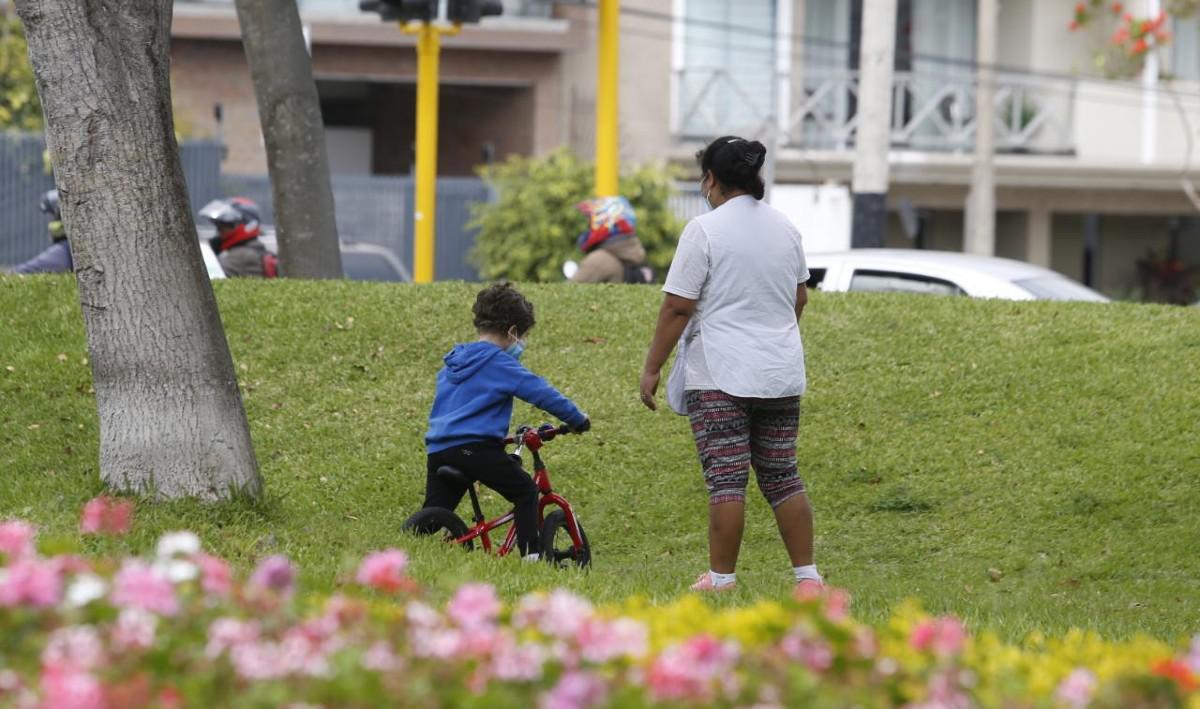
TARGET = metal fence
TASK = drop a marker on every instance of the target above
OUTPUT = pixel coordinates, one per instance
(25, 177)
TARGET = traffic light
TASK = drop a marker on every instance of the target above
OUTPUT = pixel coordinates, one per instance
(470, 11)
(402, 10)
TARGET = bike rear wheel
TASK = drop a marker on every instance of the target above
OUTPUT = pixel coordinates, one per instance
(557, 546)
(437, 521)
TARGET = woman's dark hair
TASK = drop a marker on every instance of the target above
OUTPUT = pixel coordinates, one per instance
(500, 307)
(735, 163)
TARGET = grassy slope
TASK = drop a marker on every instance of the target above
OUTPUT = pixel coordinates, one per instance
(941, 438)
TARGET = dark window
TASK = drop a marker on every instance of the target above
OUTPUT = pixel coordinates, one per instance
(891, 282)
(815, 276)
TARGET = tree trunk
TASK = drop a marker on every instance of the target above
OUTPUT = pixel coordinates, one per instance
(171, 417)
(290, 114)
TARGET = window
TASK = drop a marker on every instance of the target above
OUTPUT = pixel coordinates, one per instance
(891, 282)
(727, 83)
(815, 276)
(1185, 48)
(1059, 288)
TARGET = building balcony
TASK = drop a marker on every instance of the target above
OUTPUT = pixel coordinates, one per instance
(932, 111)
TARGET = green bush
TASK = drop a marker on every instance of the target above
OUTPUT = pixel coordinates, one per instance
(530, 230)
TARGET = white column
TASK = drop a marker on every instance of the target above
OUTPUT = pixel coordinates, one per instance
(874, 135)
(981, 201)
(1149, 94)
(1038, 236)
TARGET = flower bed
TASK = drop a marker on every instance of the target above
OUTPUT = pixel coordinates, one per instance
(179, 629)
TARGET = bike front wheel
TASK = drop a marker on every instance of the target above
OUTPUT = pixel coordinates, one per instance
(437, 521)
(557, 546)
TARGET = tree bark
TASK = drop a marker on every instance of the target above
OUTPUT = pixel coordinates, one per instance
(290, 114)
(172, 422)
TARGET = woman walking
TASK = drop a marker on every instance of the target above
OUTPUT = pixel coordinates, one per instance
(737, 285)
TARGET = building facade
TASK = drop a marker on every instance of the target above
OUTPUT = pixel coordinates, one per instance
(1092, 174)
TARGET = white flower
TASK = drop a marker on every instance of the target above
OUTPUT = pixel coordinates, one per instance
(177, 570)
(178, 544)
(85, 589)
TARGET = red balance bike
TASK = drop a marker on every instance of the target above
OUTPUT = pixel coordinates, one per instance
(563, 538)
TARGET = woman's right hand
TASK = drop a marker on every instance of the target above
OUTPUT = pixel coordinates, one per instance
(649, 387)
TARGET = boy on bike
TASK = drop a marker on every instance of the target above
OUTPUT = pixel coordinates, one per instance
(473, 404)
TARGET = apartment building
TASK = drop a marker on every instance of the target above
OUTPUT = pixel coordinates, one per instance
(502, 85)
(1090, 173)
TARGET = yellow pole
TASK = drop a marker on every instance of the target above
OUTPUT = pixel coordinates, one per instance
(428, 50)
(608, 71)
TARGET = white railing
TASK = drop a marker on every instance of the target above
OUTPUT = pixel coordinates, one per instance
(933, 111)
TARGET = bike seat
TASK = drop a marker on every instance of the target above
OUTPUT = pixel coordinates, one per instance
(453, 475)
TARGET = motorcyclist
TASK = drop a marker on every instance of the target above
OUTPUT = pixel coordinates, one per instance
(236, 244)
(57, 257)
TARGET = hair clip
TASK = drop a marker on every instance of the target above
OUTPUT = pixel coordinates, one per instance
(733, 140)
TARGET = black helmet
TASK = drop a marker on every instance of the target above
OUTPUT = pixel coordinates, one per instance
(50, 204)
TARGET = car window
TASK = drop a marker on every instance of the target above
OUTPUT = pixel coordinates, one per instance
(1059, 288)
(891, 282)
(815, 276)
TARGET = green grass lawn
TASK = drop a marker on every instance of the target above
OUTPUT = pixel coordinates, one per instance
(942, 439)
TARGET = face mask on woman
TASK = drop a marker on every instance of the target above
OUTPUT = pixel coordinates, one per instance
(706, 194)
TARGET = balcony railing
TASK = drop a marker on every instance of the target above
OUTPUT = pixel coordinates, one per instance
(932, 111)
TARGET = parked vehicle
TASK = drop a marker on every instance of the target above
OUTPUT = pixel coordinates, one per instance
(941, 273)
(360, 261)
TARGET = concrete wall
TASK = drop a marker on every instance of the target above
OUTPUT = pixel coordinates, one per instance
(645, 83)
(510, 98)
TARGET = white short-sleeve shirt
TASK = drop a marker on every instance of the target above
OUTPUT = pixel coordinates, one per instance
(742, 262)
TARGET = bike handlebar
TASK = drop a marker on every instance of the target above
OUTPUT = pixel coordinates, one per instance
(544, 433)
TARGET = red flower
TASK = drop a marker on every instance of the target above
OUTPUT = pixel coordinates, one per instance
(1176, 671)
(1074, 25)
(1139, 47)
(1118, 8)
(1080, 8)
(1120, 37)
(106, 515)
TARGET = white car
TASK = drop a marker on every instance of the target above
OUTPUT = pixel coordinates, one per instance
(360, 261)
(941, 273)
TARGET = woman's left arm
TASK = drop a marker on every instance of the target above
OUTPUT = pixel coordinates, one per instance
(673, 317)
(801, 299)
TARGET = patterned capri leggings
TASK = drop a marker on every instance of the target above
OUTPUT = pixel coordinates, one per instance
(732, 433)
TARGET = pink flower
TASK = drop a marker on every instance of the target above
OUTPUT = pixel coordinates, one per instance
(384, 570)
(275, 573)
(226, 633)
(139, 585)
(134, 630)
(106, 515)
(473, 605)
(33, 582)
(604, 640)
(560, 614)
(215, 577)
(1076, 690)
(945, 692)
(73, 648)
(1193, 658)
(688, 671)
(16, 539)
(944, 636)
(68, 689)
(575, 690)
(517, 663)
(381, 658)
(810, 650)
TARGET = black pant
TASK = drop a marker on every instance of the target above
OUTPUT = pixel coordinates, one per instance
(489, 464)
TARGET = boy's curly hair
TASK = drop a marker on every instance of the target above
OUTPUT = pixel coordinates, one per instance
(500, 307)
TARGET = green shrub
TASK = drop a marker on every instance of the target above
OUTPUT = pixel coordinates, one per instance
(530, 230)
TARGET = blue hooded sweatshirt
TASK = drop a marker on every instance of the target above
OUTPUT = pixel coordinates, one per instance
(474, 398)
